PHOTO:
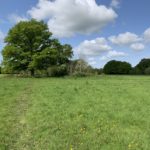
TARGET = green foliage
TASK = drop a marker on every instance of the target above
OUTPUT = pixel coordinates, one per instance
(97, 71)
(29, 47)
(135, 71)
(147, 71)
(57, 71)
(143, 65)
(117, 67)
(93, 113)
(40, 73)
(80, 74)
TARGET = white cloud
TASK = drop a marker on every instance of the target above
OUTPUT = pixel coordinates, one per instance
(137, 46)
(2, 36)
(113, 54)
(147, 35)
(14, 18)
(125, 38)
(69, 17)
(92, 48)
(91, 61)
(115, 3)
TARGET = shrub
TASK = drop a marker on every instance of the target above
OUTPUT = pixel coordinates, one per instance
(57, 71)
(80, 74)
(147, 71)
(79, 67)
(98, 71)
(40, 73)
(135, 71)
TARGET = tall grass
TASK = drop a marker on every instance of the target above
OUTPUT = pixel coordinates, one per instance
(95, 113)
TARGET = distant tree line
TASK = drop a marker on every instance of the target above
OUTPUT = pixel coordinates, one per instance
(32, 51)
(119, 67)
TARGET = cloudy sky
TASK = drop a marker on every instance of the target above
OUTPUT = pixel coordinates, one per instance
(98, 30)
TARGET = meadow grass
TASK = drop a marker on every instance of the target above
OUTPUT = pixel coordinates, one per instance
(93, 113)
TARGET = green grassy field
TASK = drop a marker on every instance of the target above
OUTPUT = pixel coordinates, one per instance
(94, 113)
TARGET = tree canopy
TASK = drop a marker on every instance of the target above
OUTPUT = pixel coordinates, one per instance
(30, 47)
(117, 67)
(143, 66)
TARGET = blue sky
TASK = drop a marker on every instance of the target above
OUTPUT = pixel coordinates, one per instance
(98, 31)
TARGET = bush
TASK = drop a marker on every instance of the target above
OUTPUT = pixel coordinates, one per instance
(80, 67)
(147, 71)
(98, 71)
(80, 74)
(117, 67)
(40, 73)
(57, 71)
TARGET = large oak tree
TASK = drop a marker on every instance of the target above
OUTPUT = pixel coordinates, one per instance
(30, 46)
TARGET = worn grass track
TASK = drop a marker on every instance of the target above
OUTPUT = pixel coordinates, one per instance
(95, 113)
(14, 98)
